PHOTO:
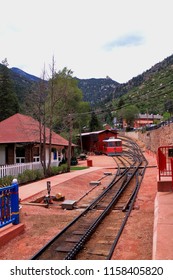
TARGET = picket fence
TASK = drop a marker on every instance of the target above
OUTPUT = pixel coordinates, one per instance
(18, 168)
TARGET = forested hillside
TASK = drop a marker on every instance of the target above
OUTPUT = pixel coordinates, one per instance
(97, 90)
(151, 91)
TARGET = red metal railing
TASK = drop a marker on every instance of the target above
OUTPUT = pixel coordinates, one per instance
(165, 161)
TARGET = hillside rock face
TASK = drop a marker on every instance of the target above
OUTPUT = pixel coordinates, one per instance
(162, 136)
(97, 90)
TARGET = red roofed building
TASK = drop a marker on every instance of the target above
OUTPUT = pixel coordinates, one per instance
(144, 120)
(20, 141)
(93, 141)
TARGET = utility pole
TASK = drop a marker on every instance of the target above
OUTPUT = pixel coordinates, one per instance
(81, 144)
(69, 142)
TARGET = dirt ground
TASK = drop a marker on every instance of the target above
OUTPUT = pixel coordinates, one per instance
(41, 224)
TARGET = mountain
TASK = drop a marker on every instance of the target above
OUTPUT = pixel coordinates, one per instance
(94, 90)
(97, 90)
(23, 83)
(23, 74)
(151, 91)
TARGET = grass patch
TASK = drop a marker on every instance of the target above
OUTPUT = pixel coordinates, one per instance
(74, 168)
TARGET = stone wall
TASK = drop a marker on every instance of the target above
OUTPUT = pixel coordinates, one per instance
(153, 139)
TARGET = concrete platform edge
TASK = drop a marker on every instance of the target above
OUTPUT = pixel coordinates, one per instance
(163, 226)
(9, 232)
(156, 210)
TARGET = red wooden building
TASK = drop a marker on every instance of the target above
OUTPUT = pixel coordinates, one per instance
(93, 141)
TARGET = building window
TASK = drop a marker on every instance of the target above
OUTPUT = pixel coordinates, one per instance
(36, 159)
(54, 151)
(59, 155)
(20, 154)
(36, 156)
(20, 160)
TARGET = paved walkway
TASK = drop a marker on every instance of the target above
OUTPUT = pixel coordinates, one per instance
(98, 162)
(29, 190)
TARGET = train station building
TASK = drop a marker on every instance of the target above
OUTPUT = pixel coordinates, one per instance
(20, 138)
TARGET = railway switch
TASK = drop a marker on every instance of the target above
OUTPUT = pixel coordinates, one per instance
(68, 204)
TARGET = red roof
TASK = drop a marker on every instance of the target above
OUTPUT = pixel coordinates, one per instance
(99, 132)
(23, 129)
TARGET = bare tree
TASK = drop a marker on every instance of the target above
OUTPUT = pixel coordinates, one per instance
(55, 102)
(36, 106)
(42, 119)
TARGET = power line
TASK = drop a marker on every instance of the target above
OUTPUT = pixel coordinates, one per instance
(151, 97)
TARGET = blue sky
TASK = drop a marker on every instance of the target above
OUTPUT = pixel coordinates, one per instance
(93, 38)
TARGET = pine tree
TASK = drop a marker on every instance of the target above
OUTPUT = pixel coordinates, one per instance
(8, 100)
(94, 124)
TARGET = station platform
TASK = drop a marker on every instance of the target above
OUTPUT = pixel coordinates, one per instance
(31, 189)
(163, 216)
(163, 226)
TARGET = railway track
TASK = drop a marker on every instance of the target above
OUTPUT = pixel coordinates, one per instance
(97, 229)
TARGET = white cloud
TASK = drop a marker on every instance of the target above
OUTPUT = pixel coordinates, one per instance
(129, 40)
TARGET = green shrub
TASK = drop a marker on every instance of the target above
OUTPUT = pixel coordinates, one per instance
(63, 168)
(32, 175)
(22, 178)
(6, 181)
(58, 169)
(39, 174)
(54, 170)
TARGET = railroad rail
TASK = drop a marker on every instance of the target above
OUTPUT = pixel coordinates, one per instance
(96, 231)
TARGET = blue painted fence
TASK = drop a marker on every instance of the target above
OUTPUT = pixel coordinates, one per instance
(9, 205)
